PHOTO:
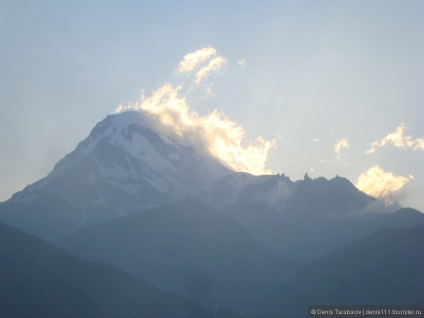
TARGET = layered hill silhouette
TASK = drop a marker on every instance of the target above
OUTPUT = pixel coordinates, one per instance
(307, 218)
(40, 280)
(386, 267)
(189, 248)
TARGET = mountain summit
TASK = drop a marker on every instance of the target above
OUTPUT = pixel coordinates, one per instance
(124, 165)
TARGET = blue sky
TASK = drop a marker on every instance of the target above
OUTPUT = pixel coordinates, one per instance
(325, 79)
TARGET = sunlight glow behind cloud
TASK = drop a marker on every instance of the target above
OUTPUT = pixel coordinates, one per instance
(398, 140)
(215, 133)
(381, 184)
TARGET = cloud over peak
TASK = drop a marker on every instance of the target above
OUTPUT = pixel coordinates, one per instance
(214, 133)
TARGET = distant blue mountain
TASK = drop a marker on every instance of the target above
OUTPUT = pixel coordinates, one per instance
(383, 268)
(40, 280)
(308, 218)
(189, 248)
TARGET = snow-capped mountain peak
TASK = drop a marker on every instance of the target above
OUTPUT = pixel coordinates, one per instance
(130, 162)
(126, 162)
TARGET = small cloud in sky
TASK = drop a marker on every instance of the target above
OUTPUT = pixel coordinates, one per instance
(201, 64)
(316, 140)
(341, 144)
(209, 90)
(241, 62)
(214, 65)
(399, 140)
(381, 184)
(192, 60)
(214, 133)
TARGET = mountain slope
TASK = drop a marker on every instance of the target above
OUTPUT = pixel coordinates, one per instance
(40, 280)
(322, 236)
(123, 165)
(386, 267)
(190, 248)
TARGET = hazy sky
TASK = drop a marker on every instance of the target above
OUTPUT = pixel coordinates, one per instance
(337, 84)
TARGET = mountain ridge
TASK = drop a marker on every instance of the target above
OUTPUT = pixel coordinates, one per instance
(384, 267)
(231, 248)
(130, 162)
(41, 280)
(188, 248)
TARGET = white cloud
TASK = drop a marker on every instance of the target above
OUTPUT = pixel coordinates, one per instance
(242, 62)
(398, 140)
(199, 65)
(209, 90)
(214, 133)
(192, 60)
(214, 65)
(381, 184)
(341, 144)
